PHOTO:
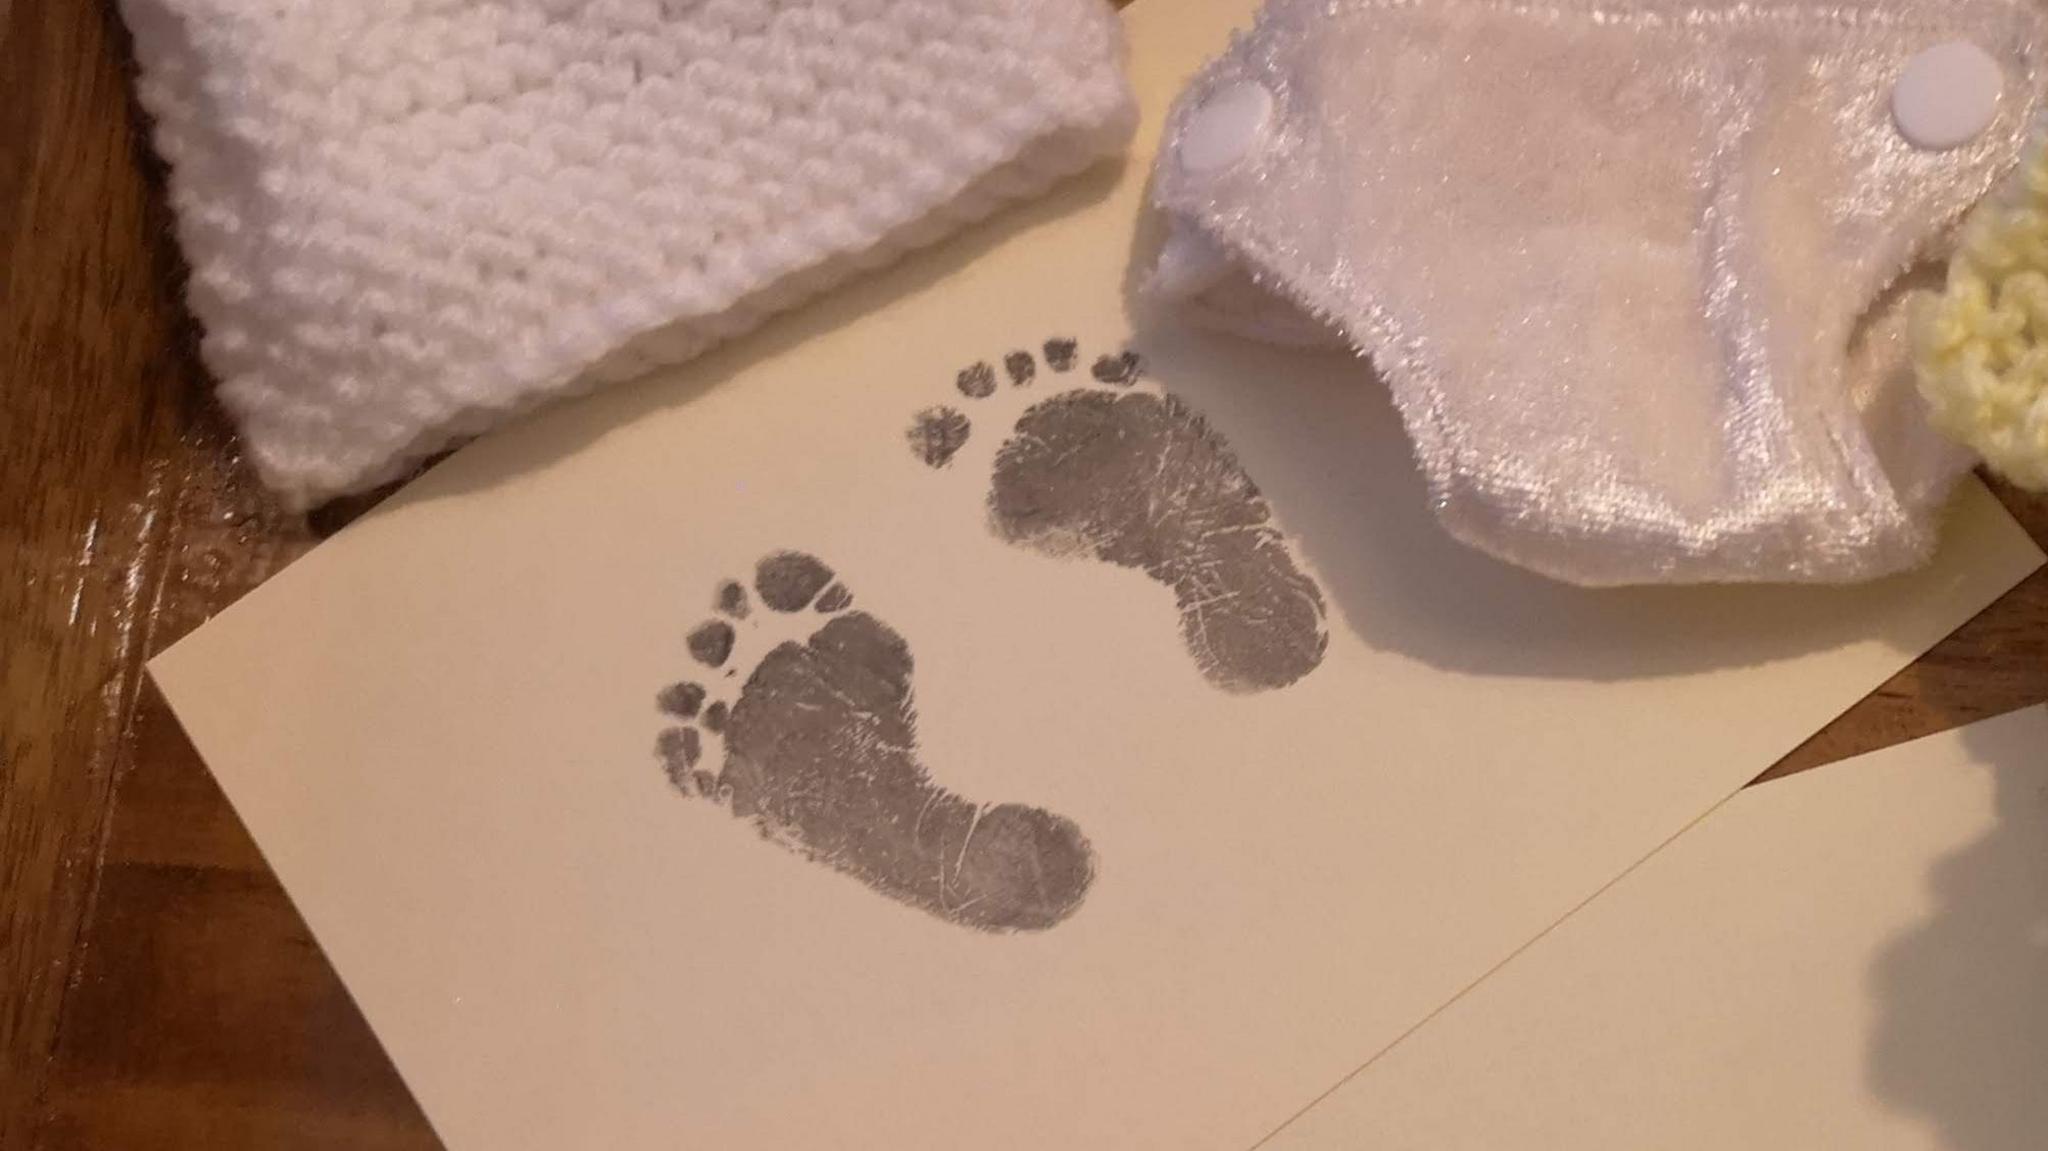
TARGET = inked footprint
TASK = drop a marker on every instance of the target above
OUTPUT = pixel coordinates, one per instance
(820, 753)
(1136, 478)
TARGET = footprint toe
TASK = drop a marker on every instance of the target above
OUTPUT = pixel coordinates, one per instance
(1020, 367)
(679, 749)
(789, 581)
(1122, 369)
(732, 599)
(834, 598)
(681, 700)
(976, 381)
(711, 643)
(1060, 354)
(936, 435)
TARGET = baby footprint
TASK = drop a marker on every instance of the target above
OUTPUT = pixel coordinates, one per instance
(1134, 477)
(819, 751)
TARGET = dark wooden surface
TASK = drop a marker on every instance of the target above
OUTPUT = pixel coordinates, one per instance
(157, 989)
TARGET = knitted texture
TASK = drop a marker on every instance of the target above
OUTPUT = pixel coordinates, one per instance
(1981, 346)
(409, 219)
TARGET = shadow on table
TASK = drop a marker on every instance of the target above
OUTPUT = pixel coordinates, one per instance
(1962, 999)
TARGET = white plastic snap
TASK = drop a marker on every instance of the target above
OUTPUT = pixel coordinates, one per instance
(1189, 264)
(1224, 129)
(1947, 96)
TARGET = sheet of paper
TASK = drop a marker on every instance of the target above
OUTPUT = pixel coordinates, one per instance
(1853, 957)
(442, 726)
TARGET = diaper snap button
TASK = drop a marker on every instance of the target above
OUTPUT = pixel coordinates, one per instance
(1224, 129)
(1947, 96)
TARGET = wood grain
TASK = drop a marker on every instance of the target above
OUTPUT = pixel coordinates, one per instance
(89, 362)
(157, 991)
(1994, 664)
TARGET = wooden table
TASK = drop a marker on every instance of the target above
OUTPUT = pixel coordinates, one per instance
(156, 988)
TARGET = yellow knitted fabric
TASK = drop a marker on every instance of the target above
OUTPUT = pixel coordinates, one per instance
(1981, 346)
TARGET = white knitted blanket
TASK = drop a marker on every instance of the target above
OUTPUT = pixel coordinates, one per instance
(409, 219)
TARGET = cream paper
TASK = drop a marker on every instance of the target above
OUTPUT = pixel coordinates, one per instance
(1853, 957)
(441, 726)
